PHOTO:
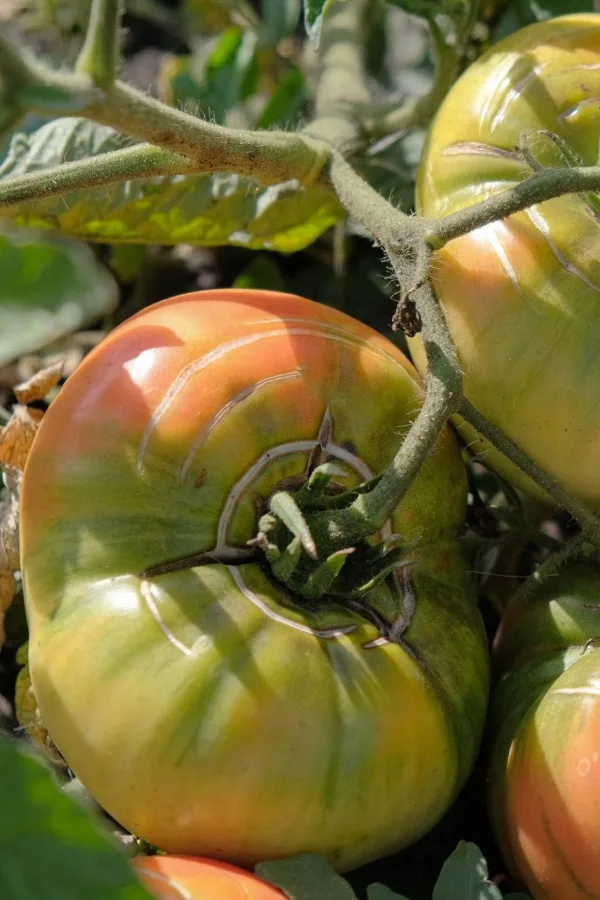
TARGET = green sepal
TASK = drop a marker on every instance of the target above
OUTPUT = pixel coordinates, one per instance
(284, 564)
(287, 510)
(323, 578)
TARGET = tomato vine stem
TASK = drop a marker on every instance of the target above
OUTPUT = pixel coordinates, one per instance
(99, 56)
(179, 143)
(545, 184)
(581, 513)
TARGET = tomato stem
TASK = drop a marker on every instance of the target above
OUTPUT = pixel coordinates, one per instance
(542, 185)
(585, 517)
(230, 556)
(99, 56)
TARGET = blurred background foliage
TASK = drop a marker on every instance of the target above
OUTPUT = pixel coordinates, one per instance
(74, 267)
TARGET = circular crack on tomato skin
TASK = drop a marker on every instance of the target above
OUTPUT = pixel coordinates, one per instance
(197, 720)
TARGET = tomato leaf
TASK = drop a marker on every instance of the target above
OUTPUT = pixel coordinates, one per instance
(280, 18)
(538, 10)
(50, 847)
(285, 103)
(205, 210)
(227, 79)
(50, 286)
(381, 892)
(306, 877)
(464, 876)
(314, 14)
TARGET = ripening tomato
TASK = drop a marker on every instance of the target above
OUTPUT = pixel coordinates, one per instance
(544, 779)
(191, 878)
(521, 295)
(209, 710)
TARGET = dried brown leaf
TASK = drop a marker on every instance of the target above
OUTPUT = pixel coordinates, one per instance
(9, 521)
(37, 386)
(7, 592)
(17, 436)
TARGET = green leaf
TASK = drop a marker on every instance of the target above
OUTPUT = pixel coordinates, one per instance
(280, 18)
(286, 102)
(228, 77)
(264, 273)
(524, 12)
(306, 877)
(464, 876)
(50, 286)
(51, 849)
(314, 14)
(381, 892)
(204, 210)
(538, 10)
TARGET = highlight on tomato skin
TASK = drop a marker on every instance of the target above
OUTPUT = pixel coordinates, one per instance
(193, 878)
(206, 710)
(544, 734)
(520, 294)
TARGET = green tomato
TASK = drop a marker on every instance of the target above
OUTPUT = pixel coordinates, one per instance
(544, 779)
(521, 295)
(208, 710)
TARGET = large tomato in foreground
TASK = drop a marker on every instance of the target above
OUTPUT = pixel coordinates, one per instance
(207, 710)
(189, 878)
(545, 730)
(522, 295)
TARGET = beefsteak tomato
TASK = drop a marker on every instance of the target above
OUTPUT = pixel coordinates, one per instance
(544, 780)
(191, 878)
(521, 295)
(208, 710)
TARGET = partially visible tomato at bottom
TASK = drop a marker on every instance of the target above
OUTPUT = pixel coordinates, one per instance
(193, 878)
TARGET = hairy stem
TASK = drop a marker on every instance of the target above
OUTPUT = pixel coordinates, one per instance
(443, 397)
(583, 515)
(543, 185)
(267, 157)
(341, 78)
(99, 56)
(142, 161)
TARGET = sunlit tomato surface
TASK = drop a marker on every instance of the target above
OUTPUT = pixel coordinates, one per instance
(205, 709)
(522, 295)
(544, 779)
(189, 878)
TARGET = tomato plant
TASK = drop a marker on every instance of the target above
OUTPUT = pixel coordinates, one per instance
(544, 778)
(209, 710)
(521, 294)
(189, 878)
(242, 609)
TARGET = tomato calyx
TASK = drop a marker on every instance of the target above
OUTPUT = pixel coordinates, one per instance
(371, 577)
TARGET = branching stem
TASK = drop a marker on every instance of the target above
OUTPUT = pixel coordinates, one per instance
(539, 187)
(588, 521)
(99, 55)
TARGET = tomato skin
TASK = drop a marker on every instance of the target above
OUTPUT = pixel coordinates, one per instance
(544, 778)
(188, 708)
(521, 295)
(192, 878)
